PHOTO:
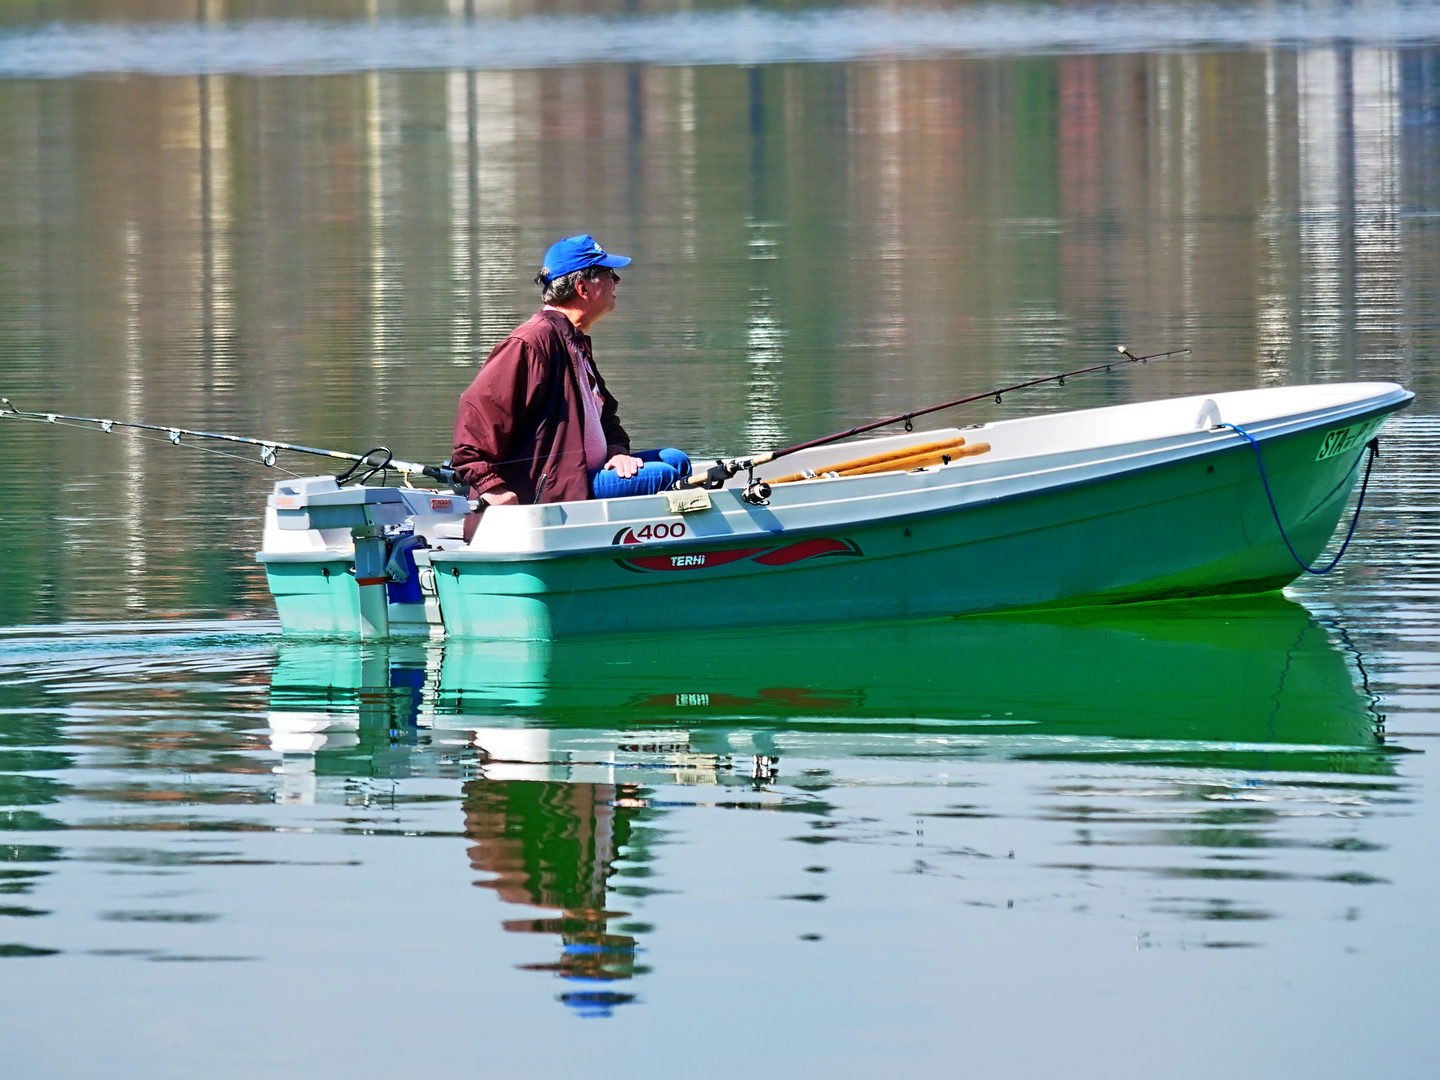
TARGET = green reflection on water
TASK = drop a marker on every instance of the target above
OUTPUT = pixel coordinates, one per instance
(561, 745)
(1202, 682)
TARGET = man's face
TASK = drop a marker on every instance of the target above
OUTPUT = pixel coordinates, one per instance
(599, 294)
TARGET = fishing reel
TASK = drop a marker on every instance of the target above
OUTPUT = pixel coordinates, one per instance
(715, 476)
(446, 475)
(756, 493)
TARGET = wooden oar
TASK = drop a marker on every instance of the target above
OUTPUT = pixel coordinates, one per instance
(933, 448)
(919, 461)
(894, 463)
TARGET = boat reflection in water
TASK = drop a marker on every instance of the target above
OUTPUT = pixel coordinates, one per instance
(559, 745)
(554, 845)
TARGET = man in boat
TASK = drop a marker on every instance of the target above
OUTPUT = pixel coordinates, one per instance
(538, 423)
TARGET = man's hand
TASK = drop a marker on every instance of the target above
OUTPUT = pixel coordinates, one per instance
(625, 465)
(500, 498)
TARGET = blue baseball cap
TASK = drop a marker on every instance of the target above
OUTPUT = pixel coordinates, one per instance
(578, 253)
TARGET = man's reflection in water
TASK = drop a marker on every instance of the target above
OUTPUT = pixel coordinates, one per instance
(553, 845)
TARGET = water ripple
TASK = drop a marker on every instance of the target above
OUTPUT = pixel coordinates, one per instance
(746, 37)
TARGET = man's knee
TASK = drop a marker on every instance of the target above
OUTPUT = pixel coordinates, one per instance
(656, 476)
(661, 470)
(652, 477)
(677, 460)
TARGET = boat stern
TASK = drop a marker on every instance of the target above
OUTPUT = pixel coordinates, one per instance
(354, 562)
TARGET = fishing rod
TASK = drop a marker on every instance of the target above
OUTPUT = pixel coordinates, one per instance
(717, 474)
(372, 461)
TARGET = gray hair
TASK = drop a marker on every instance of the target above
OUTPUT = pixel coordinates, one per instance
(561, 290)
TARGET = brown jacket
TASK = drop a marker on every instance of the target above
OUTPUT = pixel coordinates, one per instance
(523, 418)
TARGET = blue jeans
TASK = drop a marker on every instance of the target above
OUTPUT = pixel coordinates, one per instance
(661, 469)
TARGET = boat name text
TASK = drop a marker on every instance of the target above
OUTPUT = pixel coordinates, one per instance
(1340, 440)
(655, 748)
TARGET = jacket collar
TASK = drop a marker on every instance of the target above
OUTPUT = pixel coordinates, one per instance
(565, 326)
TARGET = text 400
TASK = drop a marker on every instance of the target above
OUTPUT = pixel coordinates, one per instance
(663, 530)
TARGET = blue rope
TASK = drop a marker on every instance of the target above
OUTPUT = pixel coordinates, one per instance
(1373, 446)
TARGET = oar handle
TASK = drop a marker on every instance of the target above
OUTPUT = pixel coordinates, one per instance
(895, 454)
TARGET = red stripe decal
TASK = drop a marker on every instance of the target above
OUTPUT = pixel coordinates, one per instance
(784, 555)
(807, 549)
(698, 561)
(371, 580)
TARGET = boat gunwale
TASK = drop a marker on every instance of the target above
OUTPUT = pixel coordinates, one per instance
(330, 555)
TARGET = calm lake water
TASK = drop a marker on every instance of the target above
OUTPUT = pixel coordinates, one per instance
(1188, 839)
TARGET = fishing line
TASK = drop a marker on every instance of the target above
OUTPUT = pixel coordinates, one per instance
(220, 453)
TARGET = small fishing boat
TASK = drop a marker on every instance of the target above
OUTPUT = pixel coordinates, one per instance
(1227, 493)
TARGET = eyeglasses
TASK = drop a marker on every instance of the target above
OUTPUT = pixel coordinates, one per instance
(606, 272)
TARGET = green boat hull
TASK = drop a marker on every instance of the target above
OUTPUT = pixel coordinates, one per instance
(1199, 527)
(315, 597)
